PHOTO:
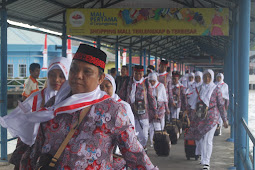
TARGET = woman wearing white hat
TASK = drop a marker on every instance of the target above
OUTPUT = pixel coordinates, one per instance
(157, 120)
(208, 106)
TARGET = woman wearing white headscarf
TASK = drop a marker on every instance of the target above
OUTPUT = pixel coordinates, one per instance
(157, 120)
(190, 83)
(16, 121)
(225, 94)
(198, 82)
(208, 106)
(109, 86)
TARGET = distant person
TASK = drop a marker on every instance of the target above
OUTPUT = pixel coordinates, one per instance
(120, 80)
(113, 72)
(225, 93)
(31, 84)
(168, 69)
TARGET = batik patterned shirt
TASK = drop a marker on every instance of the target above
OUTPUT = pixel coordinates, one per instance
(91, 147)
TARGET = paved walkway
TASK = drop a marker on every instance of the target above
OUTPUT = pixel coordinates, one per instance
(222, 157)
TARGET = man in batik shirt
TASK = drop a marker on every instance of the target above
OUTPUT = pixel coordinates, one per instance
(139, 96)
(105, 124)
(179, 100)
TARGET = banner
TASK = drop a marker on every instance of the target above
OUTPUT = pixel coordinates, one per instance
(149, 21)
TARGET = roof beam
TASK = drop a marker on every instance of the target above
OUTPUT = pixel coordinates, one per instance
(60, 12)
(182, 3)
(113, 3)
(57, 3)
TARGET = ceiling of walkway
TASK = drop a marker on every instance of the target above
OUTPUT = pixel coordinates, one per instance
(189, 49)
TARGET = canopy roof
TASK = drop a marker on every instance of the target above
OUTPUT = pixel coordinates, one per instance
(49, 14)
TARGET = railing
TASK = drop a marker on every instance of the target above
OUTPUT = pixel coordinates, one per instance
(244, 152)
(18, 84)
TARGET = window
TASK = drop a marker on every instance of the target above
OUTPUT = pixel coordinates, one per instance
(22, 70)
(10, 70)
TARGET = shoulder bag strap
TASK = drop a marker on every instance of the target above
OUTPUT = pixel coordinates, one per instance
(68, 137)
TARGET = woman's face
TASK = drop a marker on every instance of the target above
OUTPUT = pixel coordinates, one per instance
(56, 79)
(218, 78)
(207, 78)
(107, 87)
(198, 79)
(191, 78)
(153, 82)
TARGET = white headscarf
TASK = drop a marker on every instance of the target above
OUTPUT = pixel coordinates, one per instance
(117, 98)
(191, 84)
(61, 63)
(200, 74)
(223, 86)
(204, 90)
(161, 96)
(207, 89)
(133, 90)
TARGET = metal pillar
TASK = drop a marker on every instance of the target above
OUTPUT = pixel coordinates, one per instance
(130, 58)
(144, 60)
(236, 79)
(64, 36)
(3, 93)
(243, 60)
(156, 63)
(117, 55)
(141, 51)
(98, 42)
(149, 56)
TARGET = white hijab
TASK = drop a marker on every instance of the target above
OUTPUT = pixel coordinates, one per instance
(158, 87)
(132, 94)
(117, 98)
(200, 74)
(223, 86)
(61, 63)
(205, 91)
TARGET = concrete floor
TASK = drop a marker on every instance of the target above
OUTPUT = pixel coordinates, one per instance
(222, 157)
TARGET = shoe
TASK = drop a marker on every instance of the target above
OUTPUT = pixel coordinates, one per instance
(206, 167)
(151, 146)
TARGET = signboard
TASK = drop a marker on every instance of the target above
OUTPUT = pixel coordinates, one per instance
(149, 21)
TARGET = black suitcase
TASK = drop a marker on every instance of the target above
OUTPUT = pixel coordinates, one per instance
(161, 143)
(173, 132)
(190, 148)
(217, 131)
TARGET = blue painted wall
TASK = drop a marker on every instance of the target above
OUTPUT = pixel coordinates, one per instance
(27, 54)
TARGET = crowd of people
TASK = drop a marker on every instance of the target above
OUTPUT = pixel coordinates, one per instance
(85, 119)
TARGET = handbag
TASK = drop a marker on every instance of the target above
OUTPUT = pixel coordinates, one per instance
(46, 161)
(201, 109)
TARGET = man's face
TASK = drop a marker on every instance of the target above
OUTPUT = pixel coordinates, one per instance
(138, 75)
(84, 77)
(56, 78)
(175, 80)
(191, 78)
(198, 79)
(35, 74)
(207, 78)
(218, 78)
(123, 71)
(162, 68)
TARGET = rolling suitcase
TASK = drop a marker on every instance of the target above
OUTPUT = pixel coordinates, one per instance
(161, 143)
(173, 131)
(190, 148)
